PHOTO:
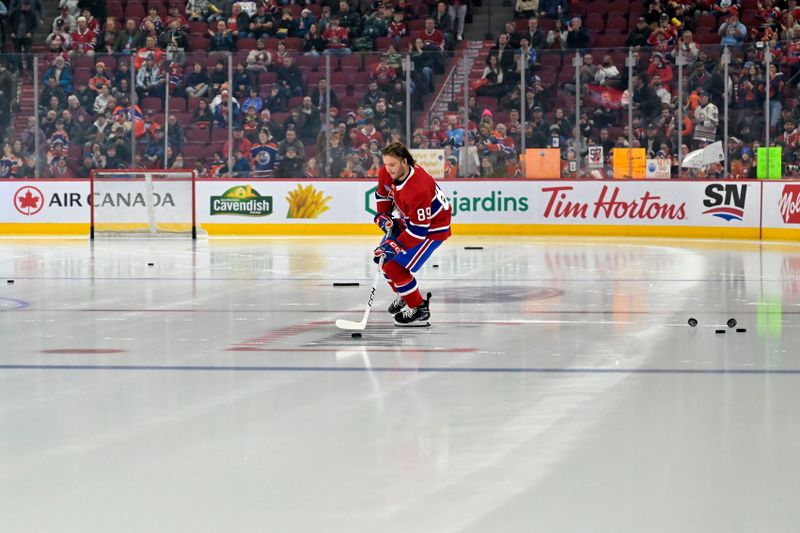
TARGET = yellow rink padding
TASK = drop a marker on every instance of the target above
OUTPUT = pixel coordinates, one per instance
(458, 229)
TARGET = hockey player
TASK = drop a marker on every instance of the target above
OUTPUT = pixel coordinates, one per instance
(421, 227)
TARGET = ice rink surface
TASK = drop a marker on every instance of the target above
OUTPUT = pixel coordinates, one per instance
(559, 389)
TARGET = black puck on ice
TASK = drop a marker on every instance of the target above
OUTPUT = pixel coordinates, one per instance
(473, 247)
(356, 335)
(731, 322)
(693, 322)
(151, 264)
(10, 281)
(719, 331)
(343, 284)
(741, 330)
(435, 266)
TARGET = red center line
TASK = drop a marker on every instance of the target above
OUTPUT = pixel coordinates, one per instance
(345, 348)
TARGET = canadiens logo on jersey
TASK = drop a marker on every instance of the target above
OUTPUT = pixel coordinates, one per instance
(420, 202)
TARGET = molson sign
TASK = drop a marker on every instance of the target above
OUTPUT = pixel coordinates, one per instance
(790, 204)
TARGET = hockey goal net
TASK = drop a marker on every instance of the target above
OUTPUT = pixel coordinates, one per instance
(142, 203)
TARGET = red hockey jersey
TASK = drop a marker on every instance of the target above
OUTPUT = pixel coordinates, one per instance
(420, 203)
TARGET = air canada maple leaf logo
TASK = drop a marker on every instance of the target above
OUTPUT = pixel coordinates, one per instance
(28, 200)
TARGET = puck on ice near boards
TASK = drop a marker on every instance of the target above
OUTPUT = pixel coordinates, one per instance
(356, 335)
(345, 284)
(151, 264)
(473, 247)
(10, 281)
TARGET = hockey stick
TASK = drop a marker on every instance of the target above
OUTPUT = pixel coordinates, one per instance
(349, 324)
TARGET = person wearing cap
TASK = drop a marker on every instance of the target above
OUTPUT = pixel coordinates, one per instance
(639, 34)
(706, 119)
(659, 67)
(732, 31)
(150, 80)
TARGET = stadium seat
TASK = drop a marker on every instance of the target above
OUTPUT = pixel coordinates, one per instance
(245, 44)
(135, 10)
(151, 102)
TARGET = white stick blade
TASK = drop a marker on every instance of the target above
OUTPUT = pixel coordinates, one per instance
(349, 324)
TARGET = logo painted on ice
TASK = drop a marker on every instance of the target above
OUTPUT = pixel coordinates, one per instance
(725, 201)
(790, 204)
(28, 200)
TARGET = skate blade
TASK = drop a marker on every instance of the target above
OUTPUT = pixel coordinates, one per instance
(413, 325)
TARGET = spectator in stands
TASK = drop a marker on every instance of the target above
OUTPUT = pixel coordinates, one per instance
(292, 141)
(154, 153)
(290, 78)
(698, 79)
(197, 83)
(239, 22)
(662, 92)
(337, 38)
(504, 53)
(422, 74)
(254, 101)
(129, 39)
(241, 81)
(175, 133)
(706, 119)
(197, 10)
(307, 121)
(645, 98)
(493, 79)
(218, 78)
(687, 46)
(659, 67)
(150, 80)
(307, 18)
(555, 9)
(99, 77)
(607, 73)
(275, 129)
(319, 95)
(397, 28)
(62, 74)
(276, 102)
(732, 31)
(372, 95)
(433, 44)
(61, 36)
(349, 19)
(202, 116)
(222, 40)
(526, 9)
(258, 59)
(222, 112)
(444, 23)
(51, 90)
(383, 74)
(153, 18)
(100, 104)
(175, 37)
(149, 49)
(83, 39)
(535, 36)
(577, 37)
(640, 34)
(557, 37)
(24, 17)
(313, 41)
(65, 21)
(376, 24)
(291, 164)
(262, 24)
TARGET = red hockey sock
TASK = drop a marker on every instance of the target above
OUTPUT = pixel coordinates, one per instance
(403, 283)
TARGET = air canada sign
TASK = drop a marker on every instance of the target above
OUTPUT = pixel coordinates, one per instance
(609, 204)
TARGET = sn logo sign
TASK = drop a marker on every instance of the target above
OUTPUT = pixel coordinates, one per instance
(725, 200)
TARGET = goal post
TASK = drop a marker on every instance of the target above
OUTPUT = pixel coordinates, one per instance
(142, 203)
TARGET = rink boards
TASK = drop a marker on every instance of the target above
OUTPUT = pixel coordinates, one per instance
(700, 209)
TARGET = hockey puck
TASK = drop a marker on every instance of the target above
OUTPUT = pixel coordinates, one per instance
(342, 284)
(435, 266)
(356, 335)
(741, 330)
(719, 331)
(731, 322)
(151, 264)
(10, 281)
(693, 322)
(473, 247)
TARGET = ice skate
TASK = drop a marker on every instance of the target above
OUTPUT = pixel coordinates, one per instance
(397, 305)
(414, 317)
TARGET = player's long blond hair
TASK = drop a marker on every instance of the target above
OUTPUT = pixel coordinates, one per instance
(399, 151)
